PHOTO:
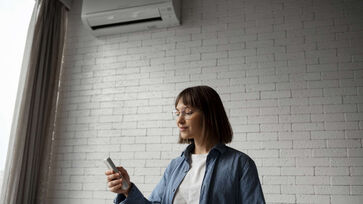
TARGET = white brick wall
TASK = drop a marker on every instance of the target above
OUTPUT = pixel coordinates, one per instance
(289, 73)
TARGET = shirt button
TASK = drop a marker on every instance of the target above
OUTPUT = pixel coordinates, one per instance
(173, 190)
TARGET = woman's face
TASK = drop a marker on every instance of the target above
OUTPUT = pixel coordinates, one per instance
(189, 121)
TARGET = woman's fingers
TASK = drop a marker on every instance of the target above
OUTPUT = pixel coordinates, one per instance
(113, 177)
(121, 169)
(109, 172)
(116, 188)
(124, 173)
(114, 180)
(114, 183)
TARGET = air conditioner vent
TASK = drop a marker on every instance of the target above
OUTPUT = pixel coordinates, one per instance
(126, 23)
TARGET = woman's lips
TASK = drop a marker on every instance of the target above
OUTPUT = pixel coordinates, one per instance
(182, 129)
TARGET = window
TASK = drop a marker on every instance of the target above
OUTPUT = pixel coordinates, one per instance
(14, 20)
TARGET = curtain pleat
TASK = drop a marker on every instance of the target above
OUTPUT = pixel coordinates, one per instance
(29, 151)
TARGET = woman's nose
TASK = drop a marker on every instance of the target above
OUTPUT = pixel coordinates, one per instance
(181, 119)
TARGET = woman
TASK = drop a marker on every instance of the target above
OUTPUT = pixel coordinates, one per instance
(207, 171)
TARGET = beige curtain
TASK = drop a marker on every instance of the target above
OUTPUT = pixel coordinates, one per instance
(33, 122)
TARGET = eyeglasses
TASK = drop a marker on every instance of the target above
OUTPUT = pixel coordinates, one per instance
(186, 112)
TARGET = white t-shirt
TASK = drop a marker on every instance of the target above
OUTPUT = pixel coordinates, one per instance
(189, 190)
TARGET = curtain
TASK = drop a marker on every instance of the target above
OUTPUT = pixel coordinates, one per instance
(29, 151)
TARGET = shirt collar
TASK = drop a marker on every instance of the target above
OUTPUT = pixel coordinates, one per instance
(216, 150)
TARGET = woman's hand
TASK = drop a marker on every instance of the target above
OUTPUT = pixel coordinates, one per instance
(114, 181)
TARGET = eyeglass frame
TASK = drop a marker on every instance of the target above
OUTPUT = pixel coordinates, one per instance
(183, 112)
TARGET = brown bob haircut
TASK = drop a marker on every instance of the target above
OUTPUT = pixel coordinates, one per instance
(216, 127)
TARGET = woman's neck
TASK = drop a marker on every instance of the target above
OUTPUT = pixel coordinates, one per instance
(202, 147)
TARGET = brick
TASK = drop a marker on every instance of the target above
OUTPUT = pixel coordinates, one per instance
(357, 190)
(356, 171)
(275, 94)
(246, 128)
(309, 144)
(308, 126)
(327, 134)
(313, 180)
(325, 100)
(275, 127)
(334, 152)
(313, 199)
(307, 109)
(354, 116)
(263, 153)
(276, 162)
(331, 171)
(327, 117)
(341, 125)
(296, 189)
(274, 110)
(133, 147)
(312, 162)
(355, 152)
(147, 171)
(354, 162)
(294, 118)
(158, 147)
(352, 99)
(307, 93)
(260, 87)
(277, 144)
(292, 101)
(341, 108)
(73, 156)
(350, 83)
(291, 153)
(263, 71)
(238, 120)
(259, 44)
(349, 199)
(261, 136)
(157, 163)
(347, 180)
(297, 171)
(322, 68)
(264, 119)
(328, 189)
(245, 96)
(147, 155)
(344, 143)
(271, 189)
(280, 198)
(278, 180)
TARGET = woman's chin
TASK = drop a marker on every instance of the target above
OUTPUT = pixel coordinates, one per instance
(184, 136)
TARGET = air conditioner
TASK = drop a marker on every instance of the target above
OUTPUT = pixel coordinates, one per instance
(122, 16)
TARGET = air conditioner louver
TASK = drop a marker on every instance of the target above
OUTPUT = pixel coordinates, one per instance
(126, 23)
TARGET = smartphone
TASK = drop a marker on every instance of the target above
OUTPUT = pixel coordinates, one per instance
(109, 163)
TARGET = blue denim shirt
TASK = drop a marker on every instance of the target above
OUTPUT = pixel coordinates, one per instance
(230, 177)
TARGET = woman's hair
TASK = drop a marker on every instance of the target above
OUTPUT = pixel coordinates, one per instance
(216, 127)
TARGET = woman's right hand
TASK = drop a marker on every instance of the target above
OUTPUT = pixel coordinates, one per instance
(114, 181)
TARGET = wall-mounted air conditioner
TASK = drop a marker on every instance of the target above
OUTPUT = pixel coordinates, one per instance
(105, 17)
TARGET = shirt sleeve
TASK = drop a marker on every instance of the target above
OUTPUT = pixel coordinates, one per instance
(250, 187)
(136, 197)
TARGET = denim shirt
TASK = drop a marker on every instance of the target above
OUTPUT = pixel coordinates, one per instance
(230, 177)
